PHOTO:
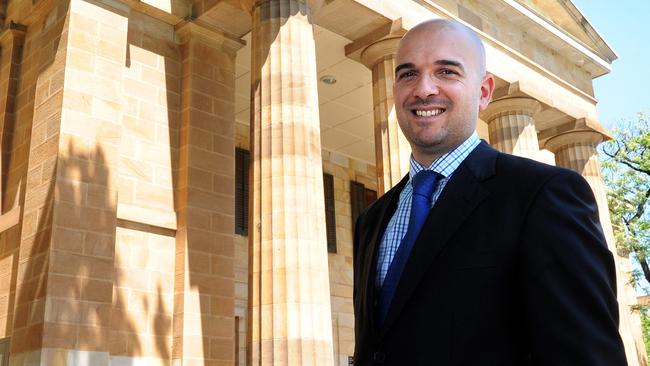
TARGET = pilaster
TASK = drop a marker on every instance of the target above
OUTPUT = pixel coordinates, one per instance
(11, 44)
(66, 266)
(204, 286)
(289, 297)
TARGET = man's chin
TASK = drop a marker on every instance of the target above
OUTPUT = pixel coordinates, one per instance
(431, 143)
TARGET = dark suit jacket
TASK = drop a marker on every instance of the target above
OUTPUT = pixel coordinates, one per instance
(511, 268)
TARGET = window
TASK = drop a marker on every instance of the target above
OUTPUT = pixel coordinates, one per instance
(241, 191)
(330, 214)
(360, 198)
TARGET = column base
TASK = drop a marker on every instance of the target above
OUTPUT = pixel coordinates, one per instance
(63, 357)
(72, 357)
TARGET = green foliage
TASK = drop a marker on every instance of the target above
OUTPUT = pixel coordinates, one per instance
(626, 170)
(645, 325)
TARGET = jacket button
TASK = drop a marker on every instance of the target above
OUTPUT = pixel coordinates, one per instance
(379, 357)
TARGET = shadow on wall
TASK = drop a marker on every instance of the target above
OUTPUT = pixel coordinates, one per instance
(87, 306)
(141, 37)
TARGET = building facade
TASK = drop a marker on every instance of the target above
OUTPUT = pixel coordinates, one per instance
(179, 178)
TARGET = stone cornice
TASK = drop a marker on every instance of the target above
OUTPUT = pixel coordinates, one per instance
(598, 42)
(555, 32)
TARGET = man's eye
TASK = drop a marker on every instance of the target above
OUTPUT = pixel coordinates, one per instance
(448, 72)
(406, 74)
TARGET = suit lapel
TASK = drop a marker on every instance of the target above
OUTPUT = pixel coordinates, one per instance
(387, 210)
(462, 194)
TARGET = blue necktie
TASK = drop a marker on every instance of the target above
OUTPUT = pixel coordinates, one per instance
(423, 184)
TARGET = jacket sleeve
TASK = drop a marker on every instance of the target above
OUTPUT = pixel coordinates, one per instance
(568, 278)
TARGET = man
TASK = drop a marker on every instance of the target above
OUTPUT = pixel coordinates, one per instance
(477, 257)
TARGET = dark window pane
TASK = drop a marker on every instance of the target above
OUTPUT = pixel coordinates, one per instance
(241, 191)
(360, 198)
(357, 200)
(371, 196)
(330, 214)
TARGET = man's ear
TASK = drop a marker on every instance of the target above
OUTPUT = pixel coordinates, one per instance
(487, 88)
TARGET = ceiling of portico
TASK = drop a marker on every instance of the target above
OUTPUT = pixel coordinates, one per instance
(346, 110)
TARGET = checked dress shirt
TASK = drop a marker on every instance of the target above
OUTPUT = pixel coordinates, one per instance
(398, 224)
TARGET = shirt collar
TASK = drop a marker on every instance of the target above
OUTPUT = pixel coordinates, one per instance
(446, 164)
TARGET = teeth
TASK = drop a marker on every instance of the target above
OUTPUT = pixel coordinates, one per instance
(434, 112)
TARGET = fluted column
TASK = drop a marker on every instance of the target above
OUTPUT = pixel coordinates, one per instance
(289, 305)
(392, 150)
(576, 150)
(512, 127)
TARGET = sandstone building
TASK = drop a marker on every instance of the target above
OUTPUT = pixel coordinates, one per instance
(179, 177)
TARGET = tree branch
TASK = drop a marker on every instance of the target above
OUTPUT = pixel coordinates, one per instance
(640, 208)
(644, 267)
(631, 165)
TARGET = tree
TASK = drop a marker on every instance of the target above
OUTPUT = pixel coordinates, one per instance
(626, 170)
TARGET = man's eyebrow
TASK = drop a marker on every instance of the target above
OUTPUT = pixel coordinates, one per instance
(407, 65)
(443, 62)
(450, 63)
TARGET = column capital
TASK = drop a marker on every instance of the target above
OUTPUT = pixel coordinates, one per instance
(251, 5)
(580, 124)
(198, 30)
(379, 50)
(584, 137)
(378, 43)
(508, 106)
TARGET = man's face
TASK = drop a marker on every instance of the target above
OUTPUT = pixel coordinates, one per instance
(439, 88)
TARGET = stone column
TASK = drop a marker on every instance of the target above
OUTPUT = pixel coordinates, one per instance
(512, 127)
(204, 288)
(576, 150)
(392, 150)
(289, 297)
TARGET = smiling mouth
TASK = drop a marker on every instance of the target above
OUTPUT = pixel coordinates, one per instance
(428, 112)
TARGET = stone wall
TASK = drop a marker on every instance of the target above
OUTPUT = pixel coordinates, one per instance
(344, 170)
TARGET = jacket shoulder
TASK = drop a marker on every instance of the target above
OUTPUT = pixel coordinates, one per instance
(523, 169)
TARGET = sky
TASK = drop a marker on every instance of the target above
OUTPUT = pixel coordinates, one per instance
(624, 25)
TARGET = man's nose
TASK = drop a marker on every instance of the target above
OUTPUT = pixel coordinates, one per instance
(426, 87)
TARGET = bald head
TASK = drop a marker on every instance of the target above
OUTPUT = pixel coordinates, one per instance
(440, 86)
(460, 33)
